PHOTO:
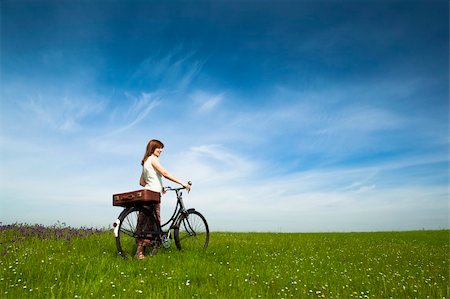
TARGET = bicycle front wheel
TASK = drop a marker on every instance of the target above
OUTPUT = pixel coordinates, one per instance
(128, 232)
(192, 231)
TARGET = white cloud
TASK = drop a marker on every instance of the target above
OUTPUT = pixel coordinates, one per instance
(205, 101)
(210, 163)
(65, 113)
(139, 110)
(173, 71)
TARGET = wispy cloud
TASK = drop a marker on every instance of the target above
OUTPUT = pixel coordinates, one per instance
(140, 108)
(206, 101)
(173, 71)
(64, 114)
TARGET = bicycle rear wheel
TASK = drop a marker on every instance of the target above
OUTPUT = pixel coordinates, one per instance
(192, 231)
(128, 232)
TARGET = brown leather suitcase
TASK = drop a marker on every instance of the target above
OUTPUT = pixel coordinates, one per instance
(143, 196)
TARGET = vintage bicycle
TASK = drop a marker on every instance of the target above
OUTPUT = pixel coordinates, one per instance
(187, 227)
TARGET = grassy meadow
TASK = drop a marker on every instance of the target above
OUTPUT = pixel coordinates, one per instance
(62, 262)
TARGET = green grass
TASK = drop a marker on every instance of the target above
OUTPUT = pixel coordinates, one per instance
(61, 264)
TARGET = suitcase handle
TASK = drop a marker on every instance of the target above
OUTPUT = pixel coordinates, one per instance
(130, 196)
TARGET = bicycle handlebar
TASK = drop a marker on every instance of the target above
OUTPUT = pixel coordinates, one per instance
(168, 188)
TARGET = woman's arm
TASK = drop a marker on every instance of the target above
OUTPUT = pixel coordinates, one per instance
(167, 175)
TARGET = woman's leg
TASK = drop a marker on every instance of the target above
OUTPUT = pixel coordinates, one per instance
(156, 208)
(143, 224)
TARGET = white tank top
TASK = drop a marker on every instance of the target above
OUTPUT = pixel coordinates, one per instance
(153, 179)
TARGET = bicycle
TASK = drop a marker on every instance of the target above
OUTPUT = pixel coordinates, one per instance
(190, 229)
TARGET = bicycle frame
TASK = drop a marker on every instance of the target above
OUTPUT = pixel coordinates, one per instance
(179, 208)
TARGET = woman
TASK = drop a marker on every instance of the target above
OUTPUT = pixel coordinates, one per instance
(151, 179)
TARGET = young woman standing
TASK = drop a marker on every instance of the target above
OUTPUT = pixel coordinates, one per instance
(151, 179)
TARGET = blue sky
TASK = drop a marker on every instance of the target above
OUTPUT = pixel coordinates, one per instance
(286, 115)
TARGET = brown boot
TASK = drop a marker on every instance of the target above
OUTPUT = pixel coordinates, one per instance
(140, 252)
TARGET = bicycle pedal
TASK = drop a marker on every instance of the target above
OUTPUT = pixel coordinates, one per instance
(154, 251)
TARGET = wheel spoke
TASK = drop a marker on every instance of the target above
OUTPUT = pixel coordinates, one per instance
(192, 232)
(129, 230)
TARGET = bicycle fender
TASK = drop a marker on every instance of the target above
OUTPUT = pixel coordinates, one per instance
(116, 228)
(123, 212)
(117, 223)
(177, 221)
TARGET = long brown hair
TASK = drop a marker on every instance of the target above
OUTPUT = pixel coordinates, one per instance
(151, 146)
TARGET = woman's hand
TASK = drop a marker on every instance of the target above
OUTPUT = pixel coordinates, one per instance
(187, 186)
